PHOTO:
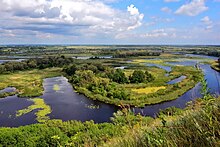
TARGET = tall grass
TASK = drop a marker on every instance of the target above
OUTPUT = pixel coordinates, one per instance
(198, 126)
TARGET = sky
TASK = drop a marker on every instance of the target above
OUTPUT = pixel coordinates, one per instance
(174, 22)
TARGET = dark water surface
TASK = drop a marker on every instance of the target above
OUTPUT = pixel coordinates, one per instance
(68, 105)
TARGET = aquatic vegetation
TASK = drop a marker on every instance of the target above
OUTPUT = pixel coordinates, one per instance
(148, 90)
(92, 106)
(42, 110)
(6, 94)
(56, 87)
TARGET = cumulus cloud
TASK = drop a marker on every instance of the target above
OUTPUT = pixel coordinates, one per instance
(68, 17)
(193, 8)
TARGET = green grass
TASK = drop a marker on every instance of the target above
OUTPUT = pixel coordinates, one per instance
(28, 83)
(42, 110)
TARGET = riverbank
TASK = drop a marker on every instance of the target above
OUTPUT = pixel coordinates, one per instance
(215, 66)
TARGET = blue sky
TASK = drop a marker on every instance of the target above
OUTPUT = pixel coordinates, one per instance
(110, 22)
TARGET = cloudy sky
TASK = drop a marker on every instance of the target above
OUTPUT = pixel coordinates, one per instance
(110, 21)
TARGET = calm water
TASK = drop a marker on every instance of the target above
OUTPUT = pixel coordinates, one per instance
(68, 105)
(152, 110)
(8, 89)
(166, 68)
(18, 60)
(177, 80)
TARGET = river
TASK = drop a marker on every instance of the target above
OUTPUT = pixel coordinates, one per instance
(68, 105)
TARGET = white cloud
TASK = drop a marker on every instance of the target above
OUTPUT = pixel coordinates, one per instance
(209, 24)
(166, 9)
(193, 8)
(68, 16)
(133, 10)
(206, 20)
(158, 33)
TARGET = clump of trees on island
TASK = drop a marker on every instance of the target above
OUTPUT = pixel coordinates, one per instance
(91, 79)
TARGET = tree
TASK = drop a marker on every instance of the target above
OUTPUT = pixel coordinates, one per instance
(2, 68)
(119, 76)
(70, 70)
(138, 76)
(148, 77)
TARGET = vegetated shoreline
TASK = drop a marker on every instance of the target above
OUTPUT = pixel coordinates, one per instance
(215, 67)
(188, 83)
(122, 103)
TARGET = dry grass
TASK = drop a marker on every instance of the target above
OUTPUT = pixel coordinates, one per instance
(148, 90)
(148, 61)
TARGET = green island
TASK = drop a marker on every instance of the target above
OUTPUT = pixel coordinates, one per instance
(132, 77)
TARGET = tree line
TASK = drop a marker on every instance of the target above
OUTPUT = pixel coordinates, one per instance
(40, 63)
(135, 54)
